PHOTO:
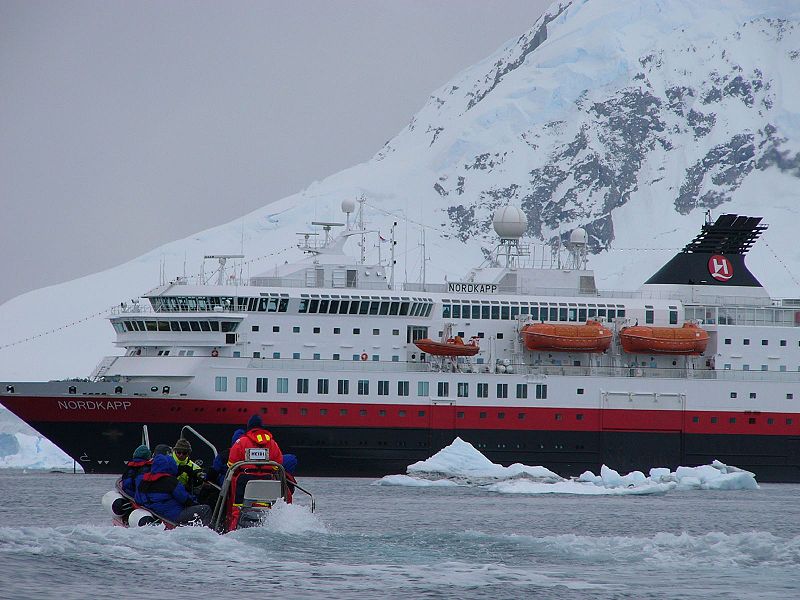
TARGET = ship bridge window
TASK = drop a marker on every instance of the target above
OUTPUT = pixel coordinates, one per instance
(649, 315)
(374, 307)
(553, 314)
(456, 311)
(334, 307)
(514, 312)
(476, 311)
(524, 310)
(363, 308)
(204, 325)
(505, 312)
(572, 314)
(673, 315)
(313, 306)
(323, 306)
(195, 325)
(428, 311)
(174, 326)
(445, 311)
(495, 312)
(384, 308)
(225, 326)
(612, 314)
(581, 315)
(303, 306)
(404, 306)
(562, 314)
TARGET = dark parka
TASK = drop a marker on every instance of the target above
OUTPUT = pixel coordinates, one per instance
(160, 491)
(134, 471)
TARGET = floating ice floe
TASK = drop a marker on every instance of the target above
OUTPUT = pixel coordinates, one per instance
(460, 464)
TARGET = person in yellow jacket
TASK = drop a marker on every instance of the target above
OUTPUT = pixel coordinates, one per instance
(190, 474)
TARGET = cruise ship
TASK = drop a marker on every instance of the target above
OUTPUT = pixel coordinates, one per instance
(523, 357)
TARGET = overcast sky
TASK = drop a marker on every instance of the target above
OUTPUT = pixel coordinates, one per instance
(126, 125)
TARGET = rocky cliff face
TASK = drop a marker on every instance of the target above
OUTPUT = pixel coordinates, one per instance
(600, 100)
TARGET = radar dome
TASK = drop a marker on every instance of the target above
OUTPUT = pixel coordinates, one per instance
(578, 236)
(510, 222)
(348, 206)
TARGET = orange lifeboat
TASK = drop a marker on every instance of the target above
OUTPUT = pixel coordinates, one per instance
(589, 337)
(689, 339)
(452, 347)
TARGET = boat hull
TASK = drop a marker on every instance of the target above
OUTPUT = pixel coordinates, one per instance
(446, 349)
(622, 439)
(688, 340)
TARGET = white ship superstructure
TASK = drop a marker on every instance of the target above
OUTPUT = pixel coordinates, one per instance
(325, 350)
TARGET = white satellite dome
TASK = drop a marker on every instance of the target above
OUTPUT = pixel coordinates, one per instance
(348, 205)
(578, 236)
(510, 222)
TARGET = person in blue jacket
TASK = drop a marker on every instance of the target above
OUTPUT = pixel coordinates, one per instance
(135, 469)
(160, 491)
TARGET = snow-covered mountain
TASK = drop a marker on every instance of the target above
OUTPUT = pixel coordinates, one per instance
(627, 118)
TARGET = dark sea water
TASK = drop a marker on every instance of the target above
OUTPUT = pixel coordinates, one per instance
(368, 541)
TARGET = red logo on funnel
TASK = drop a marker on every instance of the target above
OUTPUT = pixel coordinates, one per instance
(720, 268)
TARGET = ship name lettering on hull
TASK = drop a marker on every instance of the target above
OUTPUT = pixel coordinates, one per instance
(93, 405)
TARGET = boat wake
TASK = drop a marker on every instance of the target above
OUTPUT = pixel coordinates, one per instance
(461, 464)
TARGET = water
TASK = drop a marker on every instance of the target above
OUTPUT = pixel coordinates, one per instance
(368, 541)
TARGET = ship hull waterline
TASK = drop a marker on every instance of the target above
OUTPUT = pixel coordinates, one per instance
(628, 443)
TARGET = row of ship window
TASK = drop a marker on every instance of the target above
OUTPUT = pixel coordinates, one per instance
(362, 387)
(121, 326)
(746, 342)
(534, 312)
(203, 303)
(370, 307)
(781, 368)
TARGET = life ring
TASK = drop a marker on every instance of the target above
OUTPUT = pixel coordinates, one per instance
(214, 353)
(364, 356)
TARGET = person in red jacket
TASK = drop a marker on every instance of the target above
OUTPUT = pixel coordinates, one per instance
(255, 437)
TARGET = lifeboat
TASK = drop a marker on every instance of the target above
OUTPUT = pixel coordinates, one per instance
(452, 347)
(588, 337)
(689, 339)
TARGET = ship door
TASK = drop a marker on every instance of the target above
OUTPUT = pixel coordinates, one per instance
(442, 424)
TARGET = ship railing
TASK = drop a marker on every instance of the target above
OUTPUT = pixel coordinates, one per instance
(327, 282)
(655, 372)
(289, 364)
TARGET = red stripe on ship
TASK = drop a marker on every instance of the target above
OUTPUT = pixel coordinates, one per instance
(417, 416)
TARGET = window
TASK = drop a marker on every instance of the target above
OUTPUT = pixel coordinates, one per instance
(732, 420)
(322, 386)
(316, 330)
(649, 315)
(579, 417)
(363, 387)
(241, 384)
(336, 356)
(752, 395)
(283, 385)
(337, 330)
(746, 342)
(580, 391)
(789, 396)
(383, 388)
(422, 388)
(302, 386)
(443, 389)
(343, 386)
(502, 390)
(728, 341)
(463, 390)
(522, 390)
(483, 390)
(296, 329)
(376, 332)
(695, 419)
(765, 342)
(541, 391)
(402, 388)
(261, 385)
(733, 394)
(783, 342)
(316, 356)
(713, 419)
(276, 355)
(221, 384)
(356, 330)
(254, 328)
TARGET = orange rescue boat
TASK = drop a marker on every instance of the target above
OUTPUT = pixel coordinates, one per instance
(689, 339)
(589, 337)
(452, 347)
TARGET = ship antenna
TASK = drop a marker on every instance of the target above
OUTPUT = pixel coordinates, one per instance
(392, 262)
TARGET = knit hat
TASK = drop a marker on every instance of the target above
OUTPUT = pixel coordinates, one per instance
(162, 449)
(254, 421)
(142, 452)
(182, 445)
(236, 435)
